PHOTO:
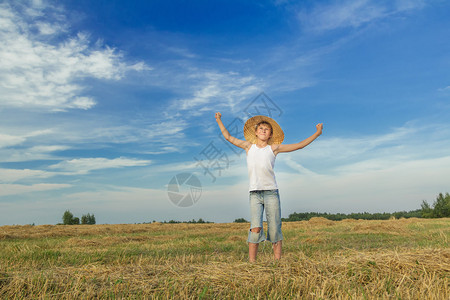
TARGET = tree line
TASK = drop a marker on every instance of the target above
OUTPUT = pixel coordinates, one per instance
(69, 219)
(364, 216)
(439, 209)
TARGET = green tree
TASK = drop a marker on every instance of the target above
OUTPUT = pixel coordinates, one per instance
(427, 211)
(91, 219)
(84, 219)
(441, 207)
(88, 219)
(67, 218)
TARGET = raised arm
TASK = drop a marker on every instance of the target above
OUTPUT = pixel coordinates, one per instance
(292, 147)
(237, 142)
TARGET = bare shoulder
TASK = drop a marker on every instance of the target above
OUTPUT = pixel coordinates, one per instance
(247, 146)
(244, 144)
(275, 148)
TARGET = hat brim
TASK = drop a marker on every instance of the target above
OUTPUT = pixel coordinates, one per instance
(250, 130)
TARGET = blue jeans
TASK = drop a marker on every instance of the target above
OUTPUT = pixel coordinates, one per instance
(270, 201)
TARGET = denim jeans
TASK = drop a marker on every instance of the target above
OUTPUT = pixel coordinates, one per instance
(270, 202)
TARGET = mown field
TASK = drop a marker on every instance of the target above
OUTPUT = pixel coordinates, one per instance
(350, 259)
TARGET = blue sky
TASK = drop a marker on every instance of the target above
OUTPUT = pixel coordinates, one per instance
(103, 103)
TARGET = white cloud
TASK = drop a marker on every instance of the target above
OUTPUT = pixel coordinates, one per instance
(7, 140)
(85, 165)
(13, 175)
(400, 186)
(445, 89)
(228, 89)
(339, 15)
(183, 52)
(31, 153)
(140, 66)
(392, 171)
(351, 13)
(414, 140)
(38, 133)
(166, 132)
(13, 148)
(49, 28)
(406, 5)
(295, 165)
(15, 189)
(181, 167)
(38, 73)
(150, 136)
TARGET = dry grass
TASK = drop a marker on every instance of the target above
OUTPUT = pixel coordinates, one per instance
(395, 259)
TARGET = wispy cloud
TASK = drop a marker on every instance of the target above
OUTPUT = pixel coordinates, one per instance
(21, 147)
(85, 165)
(445, 89)
(31, 153)
(385, 172)
(183, 52)
(357, 155)
(162, 134)
(407, 5)
(37, 72)
(14, 175)
(400, 186)
(213, 87)
(142, 134)
(294, 67)
(341, 15)
(352, 14)
(7, 140)
(15, 189)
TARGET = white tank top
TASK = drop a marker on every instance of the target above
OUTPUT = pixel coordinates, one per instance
(260, 162)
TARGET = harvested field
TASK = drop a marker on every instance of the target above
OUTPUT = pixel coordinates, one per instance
(349, 259)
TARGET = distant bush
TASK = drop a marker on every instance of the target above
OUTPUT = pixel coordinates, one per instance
(193, 221)
(240, 220)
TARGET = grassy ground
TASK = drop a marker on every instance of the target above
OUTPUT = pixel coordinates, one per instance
(395, 259)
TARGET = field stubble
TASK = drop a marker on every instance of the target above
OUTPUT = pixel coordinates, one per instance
(349, 259)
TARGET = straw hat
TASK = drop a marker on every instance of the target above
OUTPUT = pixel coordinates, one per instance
(250, 130)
